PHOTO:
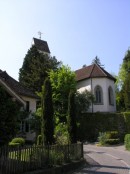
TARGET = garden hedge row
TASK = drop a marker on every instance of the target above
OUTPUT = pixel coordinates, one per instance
(93, 123)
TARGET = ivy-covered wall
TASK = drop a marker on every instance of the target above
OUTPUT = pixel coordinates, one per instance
(93, 123)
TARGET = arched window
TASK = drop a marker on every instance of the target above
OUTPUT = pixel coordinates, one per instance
(98, 95)
(110, 96)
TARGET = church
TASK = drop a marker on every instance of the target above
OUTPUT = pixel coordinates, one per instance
(101, 84)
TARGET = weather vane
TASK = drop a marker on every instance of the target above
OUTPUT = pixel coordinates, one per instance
(40, 33)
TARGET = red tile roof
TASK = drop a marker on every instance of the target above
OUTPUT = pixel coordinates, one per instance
(92, 71)
(41, 45)
(15, 85)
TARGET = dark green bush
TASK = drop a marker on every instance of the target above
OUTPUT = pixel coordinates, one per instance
(127, 120)
(127, 141)
(19, 140)
(110, 138)
(14, 144)
(39, 140)
(112, 141)
(112, 134)
(93, 123)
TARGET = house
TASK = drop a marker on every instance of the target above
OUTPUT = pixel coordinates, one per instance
(41, 46)
(26, 99)
(102, 85)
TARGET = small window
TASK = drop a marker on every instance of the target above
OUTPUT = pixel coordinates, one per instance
(27, 106)
(110, 96)
(98, 95)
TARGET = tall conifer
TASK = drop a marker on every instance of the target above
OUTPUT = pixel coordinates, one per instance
(47, 114)
(71, 118)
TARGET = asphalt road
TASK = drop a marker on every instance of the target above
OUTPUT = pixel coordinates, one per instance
(106, 160)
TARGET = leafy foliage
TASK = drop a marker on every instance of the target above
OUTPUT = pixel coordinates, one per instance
(35, 69)
(19, 140)
(47, 114)
(39, 140)
(110, 138)
(83, 101)
(62, 81)
(127, 141)
(123, 83)
(9, 111)
(102, 138)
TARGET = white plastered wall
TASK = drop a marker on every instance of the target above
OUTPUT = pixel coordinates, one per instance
(32, 103)
(104, 83)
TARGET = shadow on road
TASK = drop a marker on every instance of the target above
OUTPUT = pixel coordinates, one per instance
(94, 167)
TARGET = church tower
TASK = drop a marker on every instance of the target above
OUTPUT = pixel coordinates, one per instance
(41, 46)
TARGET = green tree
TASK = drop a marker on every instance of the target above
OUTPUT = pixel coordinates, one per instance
(47, 129)
(62, 80)
(123, 84)
(9, 111)
(83, 101)
(71, 118)
(97, 61)
(35, 69)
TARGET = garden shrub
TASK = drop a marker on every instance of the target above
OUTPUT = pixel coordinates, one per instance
(56, 158)
(112, 134)
(20, 141)
(127, 120)
(39, 140)
(112, 141)
(127, 141)
(14, 144)
(102, 138)
(110, 138)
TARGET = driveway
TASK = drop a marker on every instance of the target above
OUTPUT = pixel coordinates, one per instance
(106, 160)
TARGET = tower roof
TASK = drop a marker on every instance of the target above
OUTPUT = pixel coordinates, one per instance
(41, 45)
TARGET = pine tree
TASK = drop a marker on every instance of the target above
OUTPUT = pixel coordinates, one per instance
(35, 69)
(71, 119)
(47, 129)
(97, 61)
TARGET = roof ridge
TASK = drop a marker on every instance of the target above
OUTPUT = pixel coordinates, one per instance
(83, 67)
(92, 69)
(101, 69)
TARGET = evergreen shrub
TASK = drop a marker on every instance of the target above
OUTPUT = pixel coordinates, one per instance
(127, 120)
(112, 141)
(127, 141)
(39, 140)
(14, 144)
(20, 141)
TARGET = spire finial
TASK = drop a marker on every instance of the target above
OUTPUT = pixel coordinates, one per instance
(40, 33)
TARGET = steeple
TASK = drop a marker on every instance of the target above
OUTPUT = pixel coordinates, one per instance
(41, 45)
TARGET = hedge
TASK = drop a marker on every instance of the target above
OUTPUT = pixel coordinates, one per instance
(127, 141)
(93, 123)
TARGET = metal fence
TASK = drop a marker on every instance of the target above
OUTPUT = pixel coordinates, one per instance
(23, 159)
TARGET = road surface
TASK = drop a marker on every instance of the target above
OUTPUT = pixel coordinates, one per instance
(106, 160)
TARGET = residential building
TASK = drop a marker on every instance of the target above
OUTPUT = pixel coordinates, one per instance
(26, 99)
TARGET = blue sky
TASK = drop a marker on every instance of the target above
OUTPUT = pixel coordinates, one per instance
(76, 31)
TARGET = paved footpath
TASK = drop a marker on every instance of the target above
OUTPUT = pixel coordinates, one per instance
(106, 160)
